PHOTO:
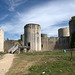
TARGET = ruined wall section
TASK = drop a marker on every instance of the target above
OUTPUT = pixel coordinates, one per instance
(1, 40)
(9, 44)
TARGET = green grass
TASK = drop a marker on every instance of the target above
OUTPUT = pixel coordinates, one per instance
(1, 55)
(53, 68)
(49, 62)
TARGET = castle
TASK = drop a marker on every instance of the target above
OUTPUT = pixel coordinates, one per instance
(37, 41)
(33, 40)
(40, 42)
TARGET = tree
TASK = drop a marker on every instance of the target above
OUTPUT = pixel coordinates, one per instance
(7, 39)
(73, 40)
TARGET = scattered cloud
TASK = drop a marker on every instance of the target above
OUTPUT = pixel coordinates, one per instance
(14, 3)
(47, 15)
(3, 18)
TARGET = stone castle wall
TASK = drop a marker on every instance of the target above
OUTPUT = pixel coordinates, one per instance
(1, 40)
(63, 32)
(9, 44)
(47, 43)
(52, 43)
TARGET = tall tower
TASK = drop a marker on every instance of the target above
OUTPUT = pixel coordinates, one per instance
(32, 37)
(63, 32)
(1, 40)
(72, 25)
(72, 31)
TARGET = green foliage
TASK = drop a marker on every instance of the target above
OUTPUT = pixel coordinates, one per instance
(7, 39)
(2, 53)
(73, 40)
(19, 41)
(21, 37)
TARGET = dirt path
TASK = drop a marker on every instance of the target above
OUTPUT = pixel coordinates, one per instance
(5, 63)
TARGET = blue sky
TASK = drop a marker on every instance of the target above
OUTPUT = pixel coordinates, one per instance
(50, 14)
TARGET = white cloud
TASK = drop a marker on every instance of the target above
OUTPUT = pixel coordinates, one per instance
(52, 31)
(14, 3)
(3, 18)
(46, 15)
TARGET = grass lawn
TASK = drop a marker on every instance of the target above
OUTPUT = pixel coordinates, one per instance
(43, 63)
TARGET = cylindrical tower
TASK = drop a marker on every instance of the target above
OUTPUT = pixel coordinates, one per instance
(72, 25)
(32, 37)
(63, 32)
(44, 35)
(72, 31)
(1, 40)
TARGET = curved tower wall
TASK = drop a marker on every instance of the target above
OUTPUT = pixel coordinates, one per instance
(1, 40)
(72, 25)
(63, 32)
(32, 36)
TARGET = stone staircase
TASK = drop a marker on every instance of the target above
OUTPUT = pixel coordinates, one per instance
(13, 49)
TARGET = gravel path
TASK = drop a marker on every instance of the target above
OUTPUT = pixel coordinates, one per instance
(5, 63)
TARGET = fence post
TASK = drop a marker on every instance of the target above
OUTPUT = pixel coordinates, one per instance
(71, 56)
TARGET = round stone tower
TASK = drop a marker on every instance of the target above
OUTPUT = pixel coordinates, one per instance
(72, 25)
(63, 32)
(32, 37)
(1, 40)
